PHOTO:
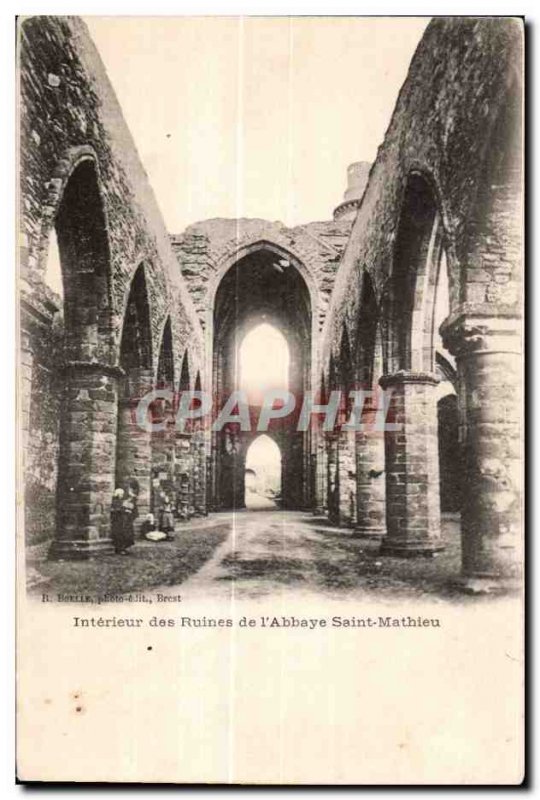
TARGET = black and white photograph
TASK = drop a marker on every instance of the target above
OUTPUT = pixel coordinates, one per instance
(270, 396)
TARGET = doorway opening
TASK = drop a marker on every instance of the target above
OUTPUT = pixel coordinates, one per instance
(262, 481)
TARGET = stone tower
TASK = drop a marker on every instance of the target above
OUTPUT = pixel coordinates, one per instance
(357, 178)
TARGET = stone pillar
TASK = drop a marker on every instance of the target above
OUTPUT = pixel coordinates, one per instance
(134, 447)
(199, 473)
(182, 474)
(346, 443)
(308, 473)
(370, 477)
(489, 360)
(86, 461)
(163, 443)
(332, 477)
(293, 472)
(163, 455)
(320, 506)
(412, 466)
(209, 485)
(212, 474)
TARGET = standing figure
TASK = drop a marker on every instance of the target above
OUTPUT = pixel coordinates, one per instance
(117, 520)
(129, 509)
(167, 518)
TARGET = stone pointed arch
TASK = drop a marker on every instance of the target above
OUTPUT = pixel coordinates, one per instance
(417, 253)
(322, 388)
(136, 350)
(165, 366)
(84, 489)
(63, 173)
(85, 259)
(134, 450)
(367, 330)
(250, 245)
(333, 374)
(345, 365)
(184, 379)
(261, 281)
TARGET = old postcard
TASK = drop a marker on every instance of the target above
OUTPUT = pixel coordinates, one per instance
(270, 400)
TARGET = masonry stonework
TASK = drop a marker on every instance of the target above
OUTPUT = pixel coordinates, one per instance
(356, 297)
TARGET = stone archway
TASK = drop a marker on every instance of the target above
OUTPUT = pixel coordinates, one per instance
(87, 435)
(134, 444)
(484, 335)
(411, 454)
(262, 287)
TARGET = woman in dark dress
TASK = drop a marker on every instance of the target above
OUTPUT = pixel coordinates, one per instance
(117, 520)
(129, 508)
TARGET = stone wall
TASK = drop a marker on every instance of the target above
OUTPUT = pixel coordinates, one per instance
(69, 115)
(447, 180)
(207, 249)
(68, 110)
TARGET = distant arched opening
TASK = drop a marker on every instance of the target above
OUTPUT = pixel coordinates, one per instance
(262, 474)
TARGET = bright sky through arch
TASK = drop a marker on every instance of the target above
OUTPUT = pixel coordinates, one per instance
(255, 116)
(263, 361)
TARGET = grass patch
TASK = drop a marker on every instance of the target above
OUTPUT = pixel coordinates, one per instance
(149, 564)
(344, 563)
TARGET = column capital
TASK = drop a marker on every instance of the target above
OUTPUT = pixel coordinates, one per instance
(470, 334)
(405, 377)
(95, 367)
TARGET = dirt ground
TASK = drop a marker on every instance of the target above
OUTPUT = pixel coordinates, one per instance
(257, 554)
(269, 551)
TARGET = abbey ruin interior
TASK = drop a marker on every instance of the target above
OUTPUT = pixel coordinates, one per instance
(413, 284)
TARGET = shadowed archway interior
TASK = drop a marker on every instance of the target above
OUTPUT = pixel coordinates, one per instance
(263, 293)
